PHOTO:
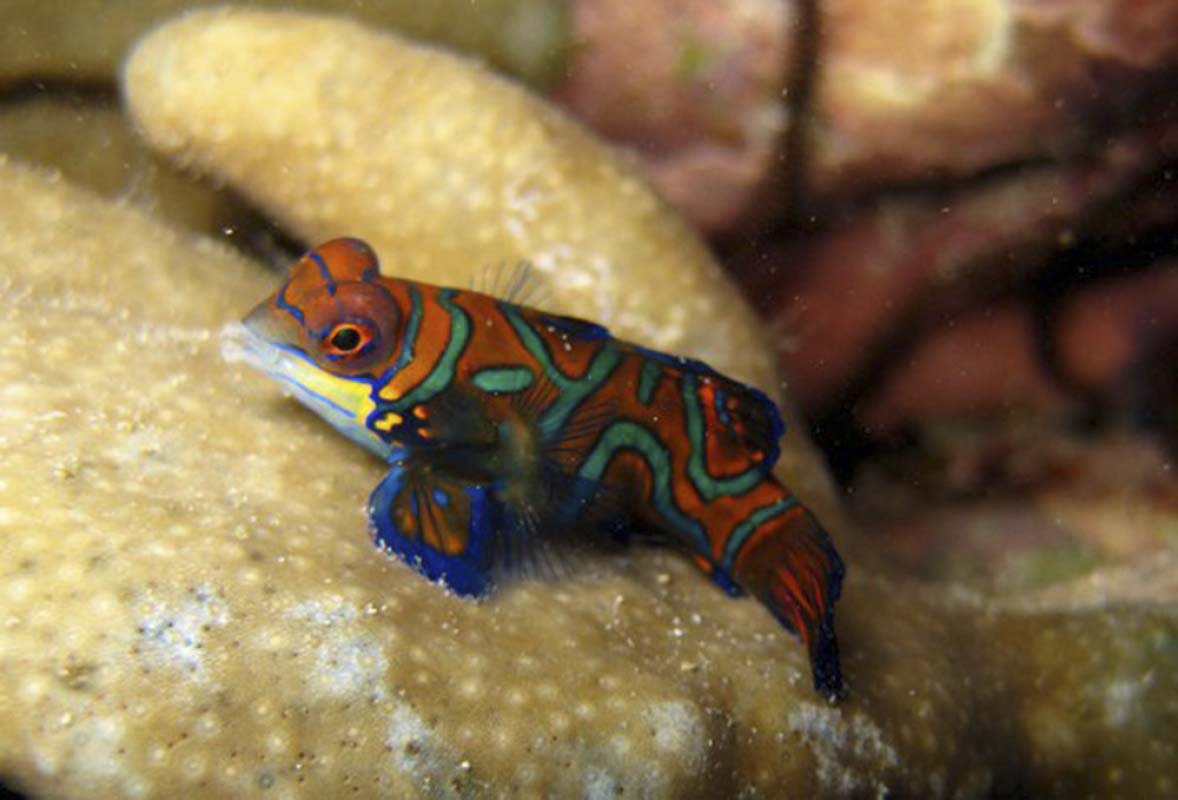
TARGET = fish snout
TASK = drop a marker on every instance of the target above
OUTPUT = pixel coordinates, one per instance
(265, 322)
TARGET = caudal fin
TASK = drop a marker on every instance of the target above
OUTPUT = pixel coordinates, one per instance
(791, 565)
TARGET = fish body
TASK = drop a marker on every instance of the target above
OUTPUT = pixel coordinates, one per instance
(506, 428)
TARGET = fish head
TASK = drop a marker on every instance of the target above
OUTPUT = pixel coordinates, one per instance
(327, 335)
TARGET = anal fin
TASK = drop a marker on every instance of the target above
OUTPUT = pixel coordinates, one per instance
(719, 577)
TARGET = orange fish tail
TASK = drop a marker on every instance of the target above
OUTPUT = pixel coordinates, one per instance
(790, 565)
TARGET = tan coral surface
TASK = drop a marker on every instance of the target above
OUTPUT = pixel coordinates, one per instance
(93, 143)
(190, 604)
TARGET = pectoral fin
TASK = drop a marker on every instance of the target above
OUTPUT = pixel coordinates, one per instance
(471, 535)
(444, 527)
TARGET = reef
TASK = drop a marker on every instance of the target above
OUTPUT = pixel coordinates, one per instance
(191, 605)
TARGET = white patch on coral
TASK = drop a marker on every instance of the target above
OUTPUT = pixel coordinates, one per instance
(95, 747)
(678, 731)
(521, 199)
(640, 780)
(600, 784)
(173, 635)
(846, 750)
(350, 661)
(418, 753)
(410, 740)
(143, 450)
(92, 750)
(352, 666)
(1122, 699)
(320, 613)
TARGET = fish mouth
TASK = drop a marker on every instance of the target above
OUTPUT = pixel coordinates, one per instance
(343, 403)
(287, 365)
(240, 345)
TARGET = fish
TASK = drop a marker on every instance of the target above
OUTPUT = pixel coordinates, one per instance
(513, 435)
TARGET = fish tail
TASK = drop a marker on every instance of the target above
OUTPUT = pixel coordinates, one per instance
(789, 563)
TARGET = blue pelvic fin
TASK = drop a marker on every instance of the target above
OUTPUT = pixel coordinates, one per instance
(441, 526)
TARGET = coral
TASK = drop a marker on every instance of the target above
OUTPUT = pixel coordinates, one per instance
(997, 344)
(93, 144)
(1104, 333)
(978, 84)
(694, 89)
(86, 40)
(872, 299)
(190, 604)
(1028, 508)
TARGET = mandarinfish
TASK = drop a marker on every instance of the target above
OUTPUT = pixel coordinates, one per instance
(512, 434)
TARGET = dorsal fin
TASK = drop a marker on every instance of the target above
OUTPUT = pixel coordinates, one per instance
(516, 282)
(738, 426)
(749, 414)
(579, 329)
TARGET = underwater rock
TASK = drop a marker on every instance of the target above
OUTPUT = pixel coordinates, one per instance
(851, 303)
(980, 364)
(978, 84)
(1027, 509)
(693, 89)
(85, 41)
(1106, 333)
(1114, 345)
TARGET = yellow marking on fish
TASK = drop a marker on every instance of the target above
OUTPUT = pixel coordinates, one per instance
(388, 421)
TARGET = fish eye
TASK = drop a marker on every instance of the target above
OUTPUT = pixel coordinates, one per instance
(346, 339)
